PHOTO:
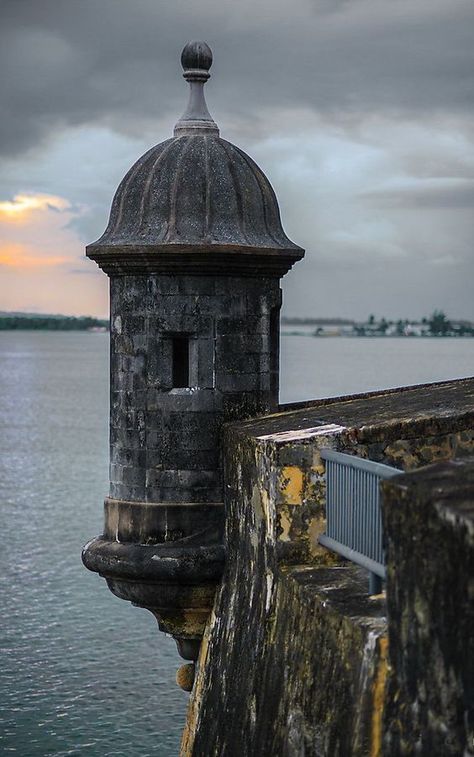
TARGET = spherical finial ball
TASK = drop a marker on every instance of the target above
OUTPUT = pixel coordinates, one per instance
(197, 56)
(185, 676)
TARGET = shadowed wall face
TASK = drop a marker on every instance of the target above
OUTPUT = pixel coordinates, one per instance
(187, 354)
(429, 526)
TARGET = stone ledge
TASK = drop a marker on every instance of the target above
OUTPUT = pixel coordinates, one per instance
(427, 404)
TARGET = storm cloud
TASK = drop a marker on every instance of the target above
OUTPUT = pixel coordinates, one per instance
(114, 61)
(360, 113)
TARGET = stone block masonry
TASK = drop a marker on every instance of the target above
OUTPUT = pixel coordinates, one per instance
(159, 451)
(405, 428)
(294, 660)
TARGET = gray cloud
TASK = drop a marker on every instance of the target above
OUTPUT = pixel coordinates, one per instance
(458, 195)
(359, 111)
(117, 62)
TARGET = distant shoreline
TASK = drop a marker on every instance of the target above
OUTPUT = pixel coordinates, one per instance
(32, 322)
(376, 336)
(101, 329)
(436, 327)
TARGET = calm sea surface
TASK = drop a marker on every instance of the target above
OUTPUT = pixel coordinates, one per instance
(83, 673)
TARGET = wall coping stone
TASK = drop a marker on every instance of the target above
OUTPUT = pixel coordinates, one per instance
(437, 404)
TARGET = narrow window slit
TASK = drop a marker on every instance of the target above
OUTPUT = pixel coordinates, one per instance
(180, 361)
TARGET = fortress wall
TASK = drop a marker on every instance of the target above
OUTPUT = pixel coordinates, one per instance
(294, 659)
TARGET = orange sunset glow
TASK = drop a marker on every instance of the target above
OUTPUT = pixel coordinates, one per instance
(41, 256)
(21, 207)
(19, 256)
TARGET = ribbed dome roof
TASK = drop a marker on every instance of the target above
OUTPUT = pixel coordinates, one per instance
(196, 190)
(194, 194)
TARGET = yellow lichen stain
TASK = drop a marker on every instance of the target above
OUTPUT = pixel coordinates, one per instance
(378, 698)
(317, 554)
(316, 527)
(285, 525)
(291, 484)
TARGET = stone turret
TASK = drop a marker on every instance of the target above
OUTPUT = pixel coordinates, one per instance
(194, 250)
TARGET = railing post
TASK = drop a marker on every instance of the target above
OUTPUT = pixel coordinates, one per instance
(375, 584)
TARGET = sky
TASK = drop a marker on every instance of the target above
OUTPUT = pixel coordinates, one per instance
(360, 112)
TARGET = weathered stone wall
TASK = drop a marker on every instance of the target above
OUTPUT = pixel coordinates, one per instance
(406, 429)
(429, 527)
(165, 440)
(294, 658)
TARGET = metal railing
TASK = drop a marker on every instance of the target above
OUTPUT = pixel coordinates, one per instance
(354, 519)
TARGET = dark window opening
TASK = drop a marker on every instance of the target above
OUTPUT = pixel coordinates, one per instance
(180, 361)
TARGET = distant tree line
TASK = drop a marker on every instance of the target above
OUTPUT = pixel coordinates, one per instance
(294, 321)
(436, 325)
(50, 323)
(439, 324)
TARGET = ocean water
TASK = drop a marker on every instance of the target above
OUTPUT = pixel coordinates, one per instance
(331, 366)
(81, 672)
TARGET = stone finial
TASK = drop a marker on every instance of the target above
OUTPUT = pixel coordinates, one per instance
(196, 60)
